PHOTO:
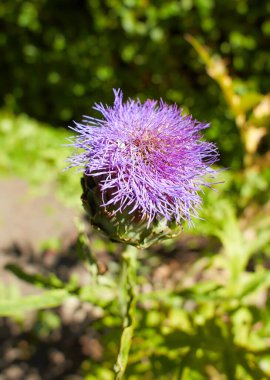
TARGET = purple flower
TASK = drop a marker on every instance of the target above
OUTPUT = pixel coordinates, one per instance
(147, 157)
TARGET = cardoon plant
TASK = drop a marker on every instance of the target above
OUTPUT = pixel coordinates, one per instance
(144, 165)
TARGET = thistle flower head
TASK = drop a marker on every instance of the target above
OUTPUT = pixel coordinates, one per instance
(147, 158)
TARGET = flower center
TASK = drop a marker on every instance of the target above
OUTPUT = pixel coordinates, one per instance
(144, 147)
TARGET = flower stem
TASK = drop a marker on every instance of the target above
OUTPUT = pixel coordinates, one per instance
(129, 282)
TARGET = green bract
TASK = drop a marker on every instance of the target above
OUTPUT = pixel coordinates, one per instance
(124, 227)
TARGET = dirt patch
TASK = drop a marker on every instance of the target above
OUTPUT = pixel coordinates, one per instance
(31, 221)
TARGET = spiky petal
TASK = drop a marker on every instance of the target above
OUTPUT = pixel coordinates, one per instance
(147, 158)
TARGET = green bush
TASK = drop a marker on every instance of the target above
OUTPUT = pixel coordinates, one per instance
(59, 57)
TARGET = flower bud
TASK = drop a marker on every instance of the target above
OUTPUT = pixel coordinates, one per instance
(124, 227)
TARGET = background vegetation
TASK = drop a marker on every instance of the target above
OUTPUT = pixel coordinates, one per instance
(59, 57)
(203, 307)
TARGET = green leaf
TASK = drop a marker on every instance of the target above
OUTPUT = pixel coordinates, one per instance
(260, 116)
(51, 298)
(251, 367)
(35, 279)
(254, 283)
(249, 101)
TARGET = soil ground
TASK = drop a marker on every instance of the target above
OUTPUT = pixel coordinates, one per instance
(29, 226)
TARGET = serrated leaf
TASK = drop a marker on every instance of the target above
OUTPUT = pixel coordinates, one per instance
(35, 279)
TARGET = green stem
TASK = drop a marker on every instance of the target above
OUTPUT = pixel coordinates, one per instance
(129, 282)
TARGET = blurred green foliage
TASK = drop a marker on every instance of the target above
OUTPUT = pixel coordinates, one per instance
(213, 323)
(24, 144)
(59, 57)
